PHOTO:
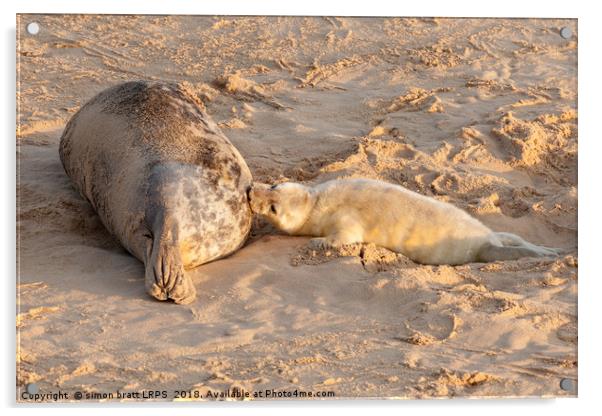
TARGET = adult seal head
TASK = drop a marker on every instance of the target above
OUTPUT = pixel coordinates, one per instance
(162, 177)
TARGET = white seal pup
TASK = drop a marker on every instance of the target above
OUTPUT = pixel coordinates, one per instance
(347, 211)
(163, 179)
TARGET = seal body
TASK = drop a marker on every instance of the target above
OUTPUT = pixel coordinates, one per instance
(162, 177)
(349, 211)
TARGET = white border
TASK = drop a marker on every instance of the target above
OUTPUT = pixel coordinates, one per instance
(590, 152)
(507, 8)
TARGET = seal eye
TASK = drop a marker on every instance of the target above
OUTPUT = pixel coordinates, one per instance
(273, 208)
(273, 187)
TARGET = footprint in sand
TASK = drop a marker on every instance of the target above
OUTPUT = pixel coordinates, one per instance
(430, 328)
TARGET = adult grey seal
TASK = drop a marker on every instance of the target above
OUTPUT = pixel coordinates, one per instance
(162, 177)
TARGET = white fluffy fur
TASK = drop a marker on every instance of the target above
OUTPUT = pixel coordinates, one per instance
(349, 211)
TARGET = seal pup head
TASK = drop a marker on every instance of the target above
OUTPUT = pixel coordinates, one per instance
(287, 205)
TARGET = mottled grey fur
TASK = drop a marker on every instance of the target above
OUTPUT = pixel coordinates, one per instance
(162, 177)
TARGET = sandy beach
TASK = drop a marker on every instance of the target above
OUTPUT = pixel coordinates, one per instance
(481, 113)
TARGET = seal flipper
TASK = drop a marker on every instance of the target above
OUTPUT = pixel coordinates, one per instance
(150, 281)
(492, 252)
(164, 271)
(513, 240)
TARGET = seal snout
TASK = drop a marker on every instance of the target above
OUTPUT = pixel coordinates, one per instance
(258, 197)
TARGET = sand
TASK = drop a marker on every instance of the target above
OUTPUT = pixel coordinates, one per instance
(480, 113)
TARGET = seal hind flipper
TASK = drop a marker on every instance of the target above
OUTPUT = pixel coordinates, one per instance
(164, 271)
(151, 282)
(491, 252)
(513, 240)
